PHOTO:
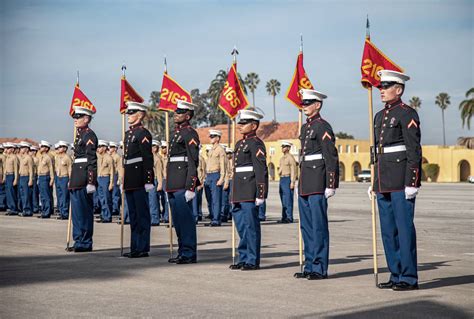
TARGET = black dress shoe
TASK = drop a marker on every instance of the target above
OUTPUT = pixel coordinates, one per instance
(315, 276)
(136, 254)
(103, 221)
(403, 286)
(119, 222)
(237, 266)
(215, 225)
(174, 260)
(44, 217)
(11, 213)
(185, 261)
(82, 249)
(386, 285)
(155, 224)
(263, 219)
(246, 267)
(69, 249)
(25, 215)
(300, 275)
(199, 218)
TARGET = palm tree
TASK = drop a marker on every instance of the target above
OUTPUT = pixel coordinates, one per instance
(466, 141)
(415, 103)
(154, 120)
(467, 107)
(251, 81)
(273, 88)
(442, 100)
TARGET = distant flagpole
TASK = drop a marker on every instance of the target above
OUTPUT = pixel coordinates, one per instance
(300, 124)
(234, 53)
(122, 212)
(372, 164)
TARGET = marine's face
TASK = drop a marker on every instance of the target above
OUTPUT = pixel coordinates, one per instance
(135, 118)
(390, 94)
(81, 120)
(154, 149)
(312, 109)
(247, 127)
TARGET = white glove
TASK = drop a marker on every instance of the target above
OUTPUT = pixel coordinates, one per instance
(149, 187)
(189, 196)
(410, 192)
(296, 190)
(329, 192)
(90, 188)
(259, 201)
(369, 192)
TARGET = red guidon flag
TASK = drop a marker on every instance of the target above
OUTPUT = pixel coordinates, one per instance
(232, 98)
(171, 92)
(373, 60)
(300, 81)
(79, 99)
(128, 94)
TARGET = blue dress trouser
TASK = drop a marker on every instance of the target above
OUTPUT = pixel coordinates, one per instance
(105, 197)
(25, 194)
(215, 197)
(286, 197)
(116, 197)
(262, 211)
(163, 198)
(139, 212)
(154, 205)
(3, 197)
(226, 202)
(45, 195)
(62, 193)
(399, 235)
(126, 215)
(82, 218)
(197, 204)
(96, 201)
(246, 220)
(12, 200)
(35, 195)
(315, 232)
(184, 224)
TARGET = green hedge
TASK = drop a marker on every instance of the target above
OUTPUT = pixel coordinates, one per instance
(430, 172)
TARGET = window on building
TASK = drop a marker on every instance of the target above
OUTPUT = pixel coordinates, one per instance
(272, 150)
(356, 148)
(339, 148)
(348, 148)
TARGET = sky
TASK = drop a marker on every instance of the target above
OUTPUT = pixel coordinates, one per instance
(44, 43)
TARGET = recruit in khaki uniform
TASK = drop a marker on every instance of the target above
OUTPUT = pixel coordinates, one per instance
(319, 178)
(63, 167)
(162, 196)
(249, 189)
(215, 176)
(197, 201)
(3, 195)
(397, 179)
(183, 161)
(287, 173)
(105, 181)
(83, 180)
(45, 179)
(26, 172)
(116, 197)
(35, 189)
(226, 215)
(138, 180)
(10, 179)
(158, 182)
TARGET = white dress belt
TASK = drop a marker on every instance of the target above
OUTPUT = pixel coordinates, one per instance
(393, 149)
(80, 160)
(244, 169)
(178, 159)
(313, 157)
(133, 160)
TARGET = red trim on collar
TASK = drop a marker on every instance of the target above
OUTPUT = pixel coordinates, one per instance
(394, 104)
(134, 127)
(250, 135)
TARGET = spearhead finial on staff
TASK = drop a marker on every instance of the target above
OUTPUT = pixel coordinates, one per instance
(234, 53)
(165, 64)
(367, 28)
(77, 78)
(124, 67)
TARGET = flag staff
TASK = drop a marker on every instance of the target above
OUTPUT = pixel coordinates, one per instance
(234, 53)
(372, 163)
(122, 213)
(300, 123)
(69, 219)
(167, 136)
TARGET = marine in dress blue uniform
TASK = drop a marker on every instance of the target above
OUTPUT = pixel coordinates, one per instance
(83, 181)
(183, 161)
(319, 178)
(249, 189)
(397, 180)
(138, 180)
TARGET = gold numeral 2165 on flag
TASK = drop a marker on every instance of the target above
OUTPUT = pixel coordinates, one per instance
(231, 95)
(369, 67)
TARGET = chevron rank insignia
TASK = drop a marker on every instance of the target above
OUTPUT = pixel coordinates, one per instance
(326, 134)
(90, 142)
(412, 123)
(145, 139)
(192, 141)
(260, 152)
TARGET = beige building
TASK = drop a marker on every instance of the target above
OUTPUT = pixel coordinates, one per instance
(456, 163)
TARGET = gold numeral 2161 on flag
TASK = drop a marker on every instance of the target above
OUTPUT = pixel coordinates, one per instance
(369, 67)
